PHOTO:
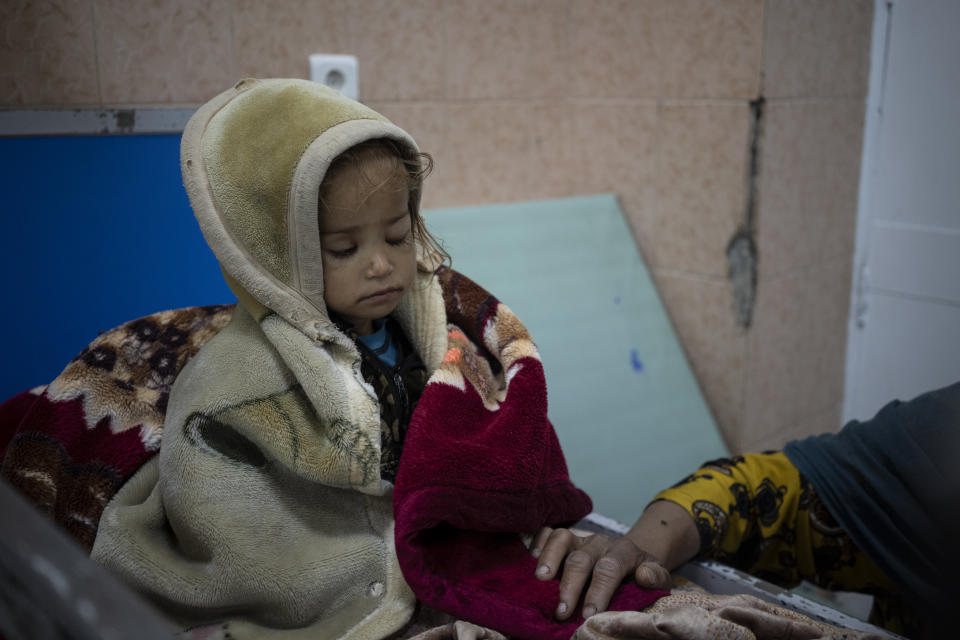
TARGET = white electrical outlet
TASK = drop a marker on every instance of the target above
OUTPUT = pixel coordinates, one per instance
(337, 71)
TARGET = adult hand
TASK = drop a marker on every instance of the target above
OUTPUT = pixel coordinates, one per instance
(601, 560)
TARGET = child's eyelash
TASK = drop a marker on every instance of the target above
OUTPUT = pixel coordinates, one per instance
(400, 241)
(346, 253)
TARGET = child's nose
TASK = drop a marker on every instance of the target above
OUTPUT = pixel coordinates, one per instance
(380, 265)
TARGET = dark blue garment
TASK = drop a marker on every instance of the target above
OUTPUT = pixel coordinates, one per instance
(382, 342)
(892, 484)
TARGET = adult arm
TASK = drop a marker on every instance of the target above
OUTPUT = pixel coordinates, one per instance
(744, 511)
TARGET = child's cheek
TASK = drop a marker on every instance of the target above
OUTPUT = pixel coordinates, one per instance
(329, 265)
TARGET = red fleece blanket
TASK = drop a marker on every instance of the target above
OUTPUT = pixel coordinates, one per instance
(481, 462)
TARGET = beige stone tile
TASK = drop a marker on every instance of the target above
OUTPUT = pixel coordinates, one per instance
(761, 443)
(710, 49)
(681, 48)
(701, 185)
(47, 54)
(172, 52)
(842, 152)
(504, 49)
(791, 51)
(612, 49)
(791, 197)
(844, 68)
(274, 38)
(824, 421)
(827, 298)
(701, 311)
(780, 366)
(797, 348)
(503, 152)
(611, 147)
(817, 48)
(809, 180)
(426, 122)
(399, 49)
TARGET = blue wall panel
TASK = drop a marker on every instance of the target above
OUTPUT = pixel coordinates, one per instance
(98, 231)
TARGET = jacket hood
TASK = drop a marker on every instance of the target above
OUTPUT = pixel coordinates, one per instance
(252, 160)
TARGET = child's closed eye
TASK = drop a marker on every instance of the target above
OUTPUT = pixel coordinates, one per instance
(400, 240)
(342, 253)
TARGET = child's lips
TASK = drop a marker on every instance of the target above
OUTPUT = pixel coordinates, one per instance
(383, 294)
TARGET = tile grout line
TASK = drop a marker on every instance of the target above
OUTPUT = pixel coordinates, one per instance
(96, 50)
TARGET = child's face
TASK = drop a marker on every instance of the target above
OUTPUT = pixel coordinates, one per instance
(367, 244)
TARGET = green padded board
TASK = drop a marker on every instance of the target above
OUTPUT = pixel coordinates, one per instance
(627, 409)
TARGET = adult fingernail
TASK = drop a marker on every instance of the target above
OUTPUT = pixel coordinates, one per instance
(562, 608)
(542, 570)
(535, 553)
(589, 610)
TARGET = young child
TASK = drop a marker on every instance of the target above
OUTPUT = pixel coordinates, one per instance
(369, 231)
(271, 503)
(270, 497)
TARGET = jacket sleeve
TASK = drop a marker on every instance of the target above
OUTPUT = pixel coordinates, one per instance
(757, 512)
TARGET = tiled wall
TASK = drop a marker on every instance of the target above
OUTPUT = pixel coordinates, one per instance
(525, 99)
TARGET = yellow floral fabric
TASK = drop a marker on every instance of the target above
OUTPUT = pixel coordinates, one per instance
(757, 513)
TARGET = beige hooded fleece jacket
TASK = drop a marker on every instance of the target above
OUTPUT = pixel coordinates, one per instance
(265, 507)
